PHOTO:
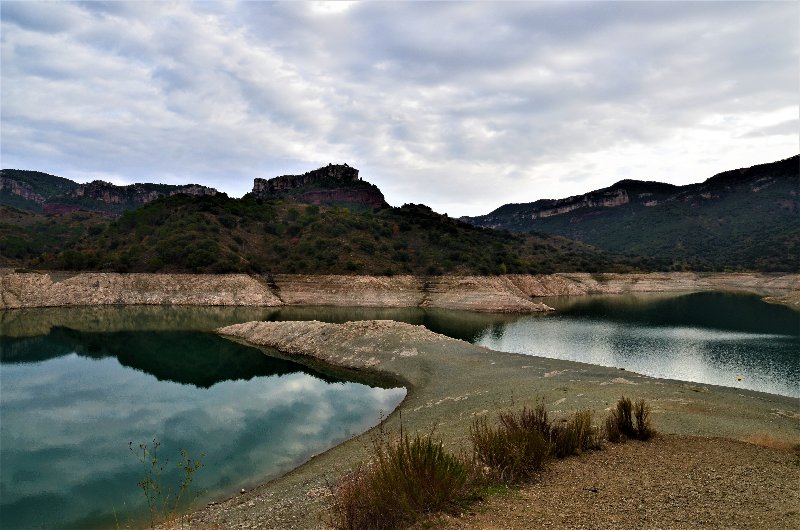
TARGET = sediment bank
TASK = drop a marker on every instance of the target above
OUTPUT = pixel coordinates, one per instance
(507, 293)
(450, 382)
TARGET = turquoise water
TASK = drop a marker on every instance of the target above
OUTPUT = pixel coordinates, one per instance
(71, 402)
(78, 384)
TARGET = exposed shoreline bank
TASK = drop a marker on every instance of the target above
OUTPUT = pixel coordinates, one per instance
(450, 382)
(499, 294)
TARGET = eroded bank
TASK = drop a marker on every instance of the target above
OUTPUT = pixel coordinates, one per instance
(507, 293)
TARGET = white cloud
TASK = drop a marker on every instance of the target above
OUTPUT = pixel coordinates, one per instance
(463, 106)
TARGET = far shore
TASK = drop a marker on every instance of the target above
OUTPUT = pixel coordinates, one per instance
(497, 294)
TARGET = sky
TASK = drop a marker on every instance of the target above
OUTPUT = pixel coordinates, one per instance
(463, 106)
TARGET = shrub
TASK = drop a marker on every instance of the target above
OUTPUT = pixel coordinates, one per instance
(613, 434)
(629, 421)
(405, 480)
(575, 436)
(641, 413)
(514, 450)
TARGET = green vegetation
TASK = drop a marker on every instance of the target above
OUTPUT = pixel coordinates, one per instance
(27, 237)
(410, 478)
(745, 219)
(217, 234)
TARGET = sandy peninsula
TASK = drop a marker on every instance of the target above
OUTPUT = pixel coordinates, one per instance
(713, 436)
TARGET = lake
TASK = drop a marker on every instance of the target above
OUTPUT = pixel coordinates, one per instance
(71, 401)
(78, 384)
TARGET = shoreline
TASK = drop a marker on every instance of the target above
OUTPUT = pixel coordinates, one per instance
(449, 382)
(495, 294)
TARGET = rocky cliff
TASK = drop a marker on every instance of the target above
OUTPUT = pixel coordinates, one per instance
(22, 190)
(107, 197)
(330, 185)
(332, 173)
(36, 191)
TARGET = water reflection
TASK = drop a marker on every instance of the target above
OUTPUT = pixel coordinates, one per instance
(185, 357)
(716, 338)
(71, 402)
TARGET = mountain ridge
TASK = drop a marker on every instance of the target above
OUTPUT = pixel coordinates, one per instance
(741, 218)
(37, 191)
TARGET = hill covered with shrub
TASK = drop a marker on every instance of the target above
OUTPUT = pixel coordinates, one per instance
(219, 234)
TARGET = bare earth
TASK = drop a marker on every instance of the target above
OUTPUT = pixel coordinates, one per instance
(691, 478)
(500, 294)
(672, 482)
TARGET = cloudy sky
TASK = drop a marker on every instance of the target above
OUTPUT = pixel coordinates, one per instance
(461, 106)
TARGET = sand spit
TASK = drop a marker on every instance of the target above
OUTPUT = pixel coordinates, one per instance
(507, 293)
(450, 382)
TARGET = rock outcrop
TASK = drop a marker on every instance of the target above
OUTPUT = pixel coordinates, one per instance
(607, 199)
(334, 184)
(37, 191)
(22, 190)
(332, 173)
(107, 197)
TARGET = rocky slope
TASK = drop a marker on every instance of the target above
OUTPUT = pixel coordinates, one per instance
(742, 218)
(508, 293)
(36, 191)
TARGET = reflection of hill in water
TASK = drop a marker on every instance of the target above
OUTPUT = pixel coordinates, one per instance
(185, 357)
(713, 310)
(39, 321)
(464, 325)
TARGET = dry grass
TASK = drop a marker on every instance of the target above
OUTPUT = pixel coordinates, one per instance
(511, 452)
(629, 420)
(411, 478)
(407, 479)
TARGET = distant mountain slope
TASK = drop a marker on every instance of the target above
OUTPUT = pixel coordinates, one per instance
(40, 192)
(221, 234)
(28, 190)
(741, 219)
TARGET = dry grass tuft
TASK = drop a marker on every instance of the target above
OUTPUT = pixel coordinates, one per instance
(406, 480)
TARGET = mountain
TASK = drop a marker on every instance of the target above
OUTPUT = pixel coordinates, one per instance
(744, 219)
(40, 192)
(332, 185)
(273, 231)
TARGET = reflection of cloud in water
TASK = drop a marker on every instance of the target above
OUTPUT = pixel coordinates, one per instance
(67, 422)
(744, 359)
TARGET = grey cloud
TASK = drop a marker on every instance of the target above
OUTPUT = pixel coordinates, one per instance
(788, 127)
(45, 17)
(432, 100)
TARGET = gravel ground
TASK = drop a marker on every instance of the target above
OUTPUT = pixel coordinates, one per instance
(695, 475)
(672, 482)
